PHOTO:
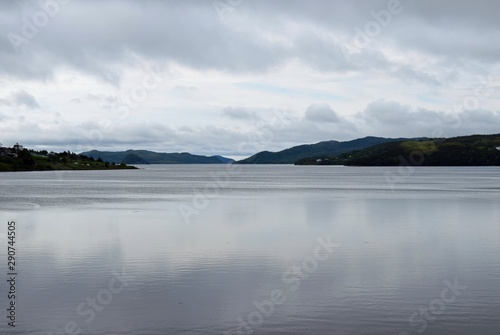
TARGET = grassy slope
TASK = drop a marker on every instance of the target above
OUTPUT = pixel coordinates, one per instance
(59, 162)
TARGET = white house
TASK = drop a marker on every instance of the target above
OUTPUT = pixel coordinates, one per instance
(18, 147)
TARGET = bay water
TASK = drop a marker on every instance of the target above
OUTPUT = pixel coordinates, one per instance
(263, 249)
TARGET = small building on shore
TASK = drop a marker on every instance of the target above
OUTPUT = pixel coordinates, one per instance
(18, 147)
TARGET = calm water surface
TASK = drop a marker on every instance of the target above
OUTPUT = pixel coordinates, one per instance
(255, 249)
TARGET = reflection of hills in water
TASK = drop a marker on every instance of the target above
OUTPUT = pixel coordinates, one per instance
(16, 205)
(258, 234)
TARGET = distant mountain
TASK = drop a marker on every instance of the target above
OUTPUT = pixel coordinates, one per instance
(224, 160)
(327, 148)
(151, 157)
(474, 150)
(133, 159)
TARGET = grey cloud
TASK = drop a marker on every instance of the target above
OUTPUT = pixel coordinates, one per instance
(103, 100)
(23, 98)
(321, 113)
(185, 89)
(240, 113)
(389, 113)
(322, 54)
(140, 135)
(19, 99)
(433, 45)
(109, 40)
(380, 118)
(408, 73)
(459, 10)
(390, 118)
(478, 120)
(85, 36)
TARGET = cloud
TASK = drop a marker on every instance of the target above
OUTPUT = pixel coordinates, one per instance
(321, 113)
(240, 113)
(185, 89)
(391, 118)
(265, 35)
(102, 100)
(232, 74)
(277, 132)
(23, 98)
(19, 99)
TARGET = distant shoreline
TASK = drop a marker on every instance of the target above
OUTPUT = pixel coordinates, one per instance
(19, 159)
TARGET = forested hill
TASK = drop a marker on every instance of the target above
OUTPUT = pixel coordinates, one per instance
(475, 150)
(151, 157)
(15, 159)
(326, 148)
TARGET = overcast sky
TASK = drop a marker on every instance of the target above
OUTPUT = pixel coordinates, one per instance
(235, 77)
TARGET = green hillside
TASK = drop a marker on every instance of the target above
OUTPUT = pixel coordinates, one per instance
(327, 148)
(475, 150)
(30, 160)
